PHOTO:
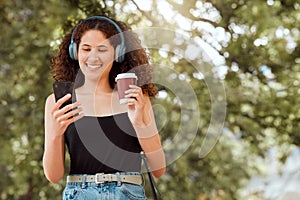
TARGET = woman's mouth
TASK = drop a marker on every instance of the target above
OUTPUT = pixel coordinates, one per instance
(94, 66)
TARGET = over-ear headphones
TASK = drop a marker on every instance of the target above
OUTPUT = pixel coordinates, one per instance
(119, 51)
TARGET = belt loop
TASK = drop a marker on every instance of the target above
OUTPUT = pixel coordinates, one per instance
(83, 184)
(118, 179)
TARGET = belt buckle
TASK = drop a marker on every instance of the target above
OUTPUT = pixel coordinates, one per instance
(98, 178)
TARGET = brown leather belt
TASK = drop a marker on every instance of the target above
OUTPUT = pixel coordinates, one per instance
(102, 178)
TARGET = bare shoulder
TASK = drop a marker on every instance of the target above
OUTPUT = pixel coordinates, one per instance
(50, 101)
(50, 98)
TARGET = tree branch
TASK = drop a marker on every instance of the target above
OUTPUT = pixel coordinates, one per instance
(187, 14)
(146, 14)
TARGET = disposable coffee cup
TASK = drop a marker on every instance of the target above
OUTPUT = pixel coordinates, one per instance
(123, 81)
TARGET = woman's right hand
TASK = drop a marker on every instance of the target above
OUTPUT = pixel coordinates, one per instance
(56, 122)
(63, 117)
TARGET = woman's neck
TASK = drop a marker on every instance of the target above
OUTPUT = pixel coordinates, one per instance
(94, 87)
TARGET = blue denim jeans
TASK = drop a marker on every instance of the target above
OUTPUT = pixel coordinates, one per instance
(104, 191)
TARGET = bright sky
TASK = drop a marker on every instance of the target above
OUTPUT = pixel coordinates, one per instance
(209, 43)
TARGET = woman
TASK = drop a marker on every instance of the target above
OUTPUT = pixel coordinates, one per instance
(104, 138)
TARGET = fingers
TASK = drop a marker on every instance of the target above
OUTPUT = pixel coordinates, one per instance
(134, 91)
(66, 118)
(62, 115)
(131, 101)
(60, 118)
(72, 113)
(134, 95)
(69, 107)
(61, 101)
(74, 118)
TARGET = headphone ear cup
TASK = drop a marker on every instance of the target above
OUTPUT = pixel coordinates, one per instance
(73, 50)
(120, 53)
(117, 51)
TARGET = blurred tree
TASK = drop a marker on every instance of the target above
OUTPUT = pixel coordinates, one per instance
(26, 36)
(252, 47)
(258, 61)
(260, 42)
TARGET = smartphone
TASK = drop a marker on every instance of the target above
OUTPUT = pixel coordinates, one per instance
(61, 88)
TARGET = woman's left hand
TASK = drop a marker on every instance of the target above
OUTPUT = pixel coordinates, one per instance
(136, 104)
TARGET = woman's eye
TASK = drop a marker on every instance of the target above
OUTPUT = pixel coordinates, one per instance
(101, 50)
(84, 49)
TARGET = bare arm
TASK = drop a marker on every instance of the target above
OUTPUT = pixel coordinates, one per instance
(56, 122)
(151, 144)
(142, 117)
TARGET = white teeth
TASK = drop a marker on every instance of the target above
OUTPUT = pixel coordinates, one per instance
(94, 66)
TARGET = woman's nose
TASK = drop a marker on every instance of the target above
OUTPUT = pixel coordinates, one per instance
(93, 56)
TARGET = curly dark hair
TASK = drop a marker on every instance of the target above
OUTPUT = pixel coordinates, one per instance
(136, 60)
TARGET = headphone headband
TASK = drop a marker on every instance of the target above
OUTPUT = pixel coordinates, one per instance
(120, 49)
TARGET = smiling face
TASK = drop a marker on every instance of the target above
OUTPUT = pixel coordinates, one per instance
(95, 55)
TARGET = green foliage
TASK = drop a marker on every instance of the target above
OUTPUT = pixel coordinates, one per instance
(24, 75)
(261, 83)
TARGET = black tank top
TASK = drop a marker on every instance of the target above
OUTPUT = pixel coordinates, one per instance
(103, 145)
